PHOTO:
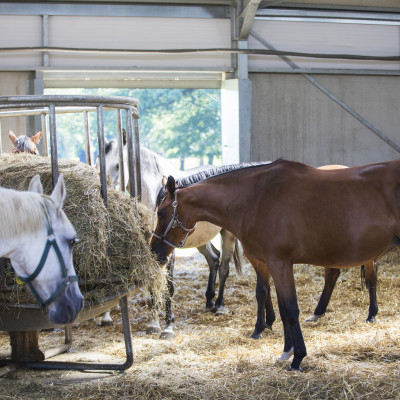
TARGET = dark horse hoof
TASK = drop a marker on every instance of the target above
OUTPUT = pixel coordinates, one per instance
(256, 335)
(371, 320)
(295, 369)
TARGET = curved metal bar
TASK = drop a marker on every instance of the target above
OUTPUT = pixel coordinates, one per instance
(100, 103)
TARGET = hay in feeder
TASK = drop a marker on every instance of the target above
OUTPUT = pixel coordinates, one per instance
(130, 262)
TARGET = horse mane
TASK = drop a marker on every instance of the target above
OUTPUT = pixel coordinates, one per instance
(20, 212)
(209, 173)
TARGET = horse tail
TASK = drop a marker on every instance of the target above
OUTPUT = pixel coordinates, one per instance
(237, 259)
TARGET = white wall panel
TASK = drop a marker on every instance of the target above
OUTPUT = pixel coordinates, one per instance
(20, 31)
(318, 37)
(139, 33)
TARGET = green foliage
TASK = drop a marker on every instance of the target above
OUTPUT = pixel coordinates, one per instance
(176, 123)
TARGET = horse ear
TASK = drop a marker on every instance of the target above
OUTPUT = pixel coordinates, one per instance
(171, 185)
(164, 181)
(12, 137)
(35, 185)
(36, 138)
(124, 137)
(59, 193)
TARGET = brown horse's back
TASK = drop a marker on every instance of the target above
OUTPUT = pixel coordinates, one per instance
(339, 217)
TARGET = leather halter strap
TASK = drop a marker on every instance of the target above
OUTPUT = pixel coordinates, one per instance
(67, 279)
(174, 223)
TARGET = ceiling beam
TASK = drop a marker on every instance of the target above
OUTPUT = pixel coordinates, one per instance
(250, 12)
(248, 15)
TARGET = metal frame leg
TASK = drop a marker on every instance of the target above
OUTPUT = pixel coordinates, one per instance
(80, 366)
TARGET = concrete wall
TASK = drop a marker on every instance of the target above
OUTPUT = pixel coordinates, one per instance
(12, 83)
(295, 120)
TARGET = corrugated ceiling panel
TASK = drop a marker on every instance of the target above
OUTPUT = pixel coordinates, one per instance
(318, 37)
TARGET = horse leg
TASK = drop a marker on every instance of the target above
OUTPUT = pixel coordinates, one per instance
(106, 320)
(213, 264)
(371, 271)
(154, 326)
(269, 308)
(168, 332)
(331, 277)
(261, 296)
(265, 310)
(282, 273)
(228, 247)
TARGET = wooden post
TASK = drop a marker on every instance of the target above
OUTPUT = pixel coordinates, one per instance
(25, 346)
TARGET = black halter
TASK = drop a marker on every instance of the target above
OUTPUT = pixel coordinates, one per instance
(174, 223)
(67, 279)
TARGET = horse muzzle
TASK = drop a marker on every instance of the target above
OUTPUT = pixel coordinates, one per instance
(66, 307)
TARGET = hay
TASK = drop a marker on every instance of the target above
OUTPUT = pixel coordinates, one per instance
(130, 262)
(212, 356)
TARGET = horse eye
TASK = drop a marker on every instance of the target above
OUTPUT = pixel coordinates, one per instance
(117, 167)
(160, 213)
(72, 242)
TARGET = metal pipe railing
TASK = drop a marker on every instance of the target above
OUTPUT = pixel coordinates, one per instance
(53, 105)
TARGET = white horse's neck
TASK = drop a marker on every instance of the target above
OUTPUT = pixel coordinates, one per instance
(20, 214)
(153, 168)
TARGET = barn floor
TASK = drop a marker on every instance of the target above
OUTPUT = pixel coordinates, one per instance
(212, 356)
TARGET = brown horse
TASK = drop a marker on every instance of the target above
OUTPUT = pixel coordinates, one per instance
(265, 311)
(25, 143)
(368, 271)
(285, 213)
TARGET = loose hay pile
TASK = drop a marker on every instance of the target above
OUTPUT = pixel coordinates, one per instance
(213, 357)
(130, 262)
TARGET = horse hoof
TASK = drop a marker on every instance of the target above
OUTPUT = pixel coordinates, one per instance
(313, 318)
(221, 311)
(256, 336)
(371, 320)
(210, 306)
(167, 334)
(154, 328)
(295, 369)
(106, 323)
(286, 355)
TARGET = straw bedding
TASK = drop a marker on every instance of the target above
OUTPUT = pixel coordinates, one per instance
(129, 263)
(213, 357)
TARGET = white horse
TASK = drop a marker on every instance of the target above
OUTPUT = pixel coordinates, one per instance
(38, 238)
(154, 168)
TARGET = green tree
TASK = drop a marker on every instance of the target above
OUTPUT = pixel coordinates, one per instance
(176, 123)
(191, 128)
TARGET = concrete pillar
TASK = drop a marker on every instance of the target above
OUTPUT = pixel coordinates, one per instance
(236, 105)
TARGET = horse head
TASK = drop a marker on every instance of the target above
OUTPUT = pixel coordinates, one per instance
(172, 230)
(112, 161)
(42, 255)
(25, 143)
